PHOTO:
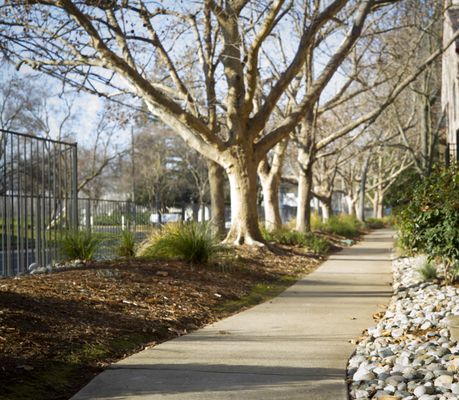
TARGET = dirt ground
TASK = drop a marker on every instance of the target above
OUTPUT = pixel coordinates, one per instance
(59, 330)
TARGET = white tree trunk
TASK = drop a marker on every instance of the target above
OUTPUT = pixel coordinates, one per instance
(327, 210)
(242, 175)
(270, 188)
(217, 198)
(380, 205)
(305, 164)
(363, 183)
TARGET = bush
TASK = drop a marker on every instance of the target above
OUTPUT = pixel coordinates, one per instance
(192, 242)
(80, 245)
(389, 221)
(126, 244)
(375, 223)
(428, 272)
(284, 236)
(310, 241)
(316, 221)
(105, 219)
(430, 222)
(317, 244)
(342, 225)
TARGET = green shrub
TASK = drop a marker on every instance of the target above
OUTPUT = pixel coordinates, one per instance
(316, 221)
(141, 218)
(388, 220)
(105, 219)
(428, 272)
(452, 272)
(342, 225)
(317, 244)
(284, 236)
(80, 245)
(126, 244)
(430, 222)
(192, 242)
(310, 241)
(375, 223)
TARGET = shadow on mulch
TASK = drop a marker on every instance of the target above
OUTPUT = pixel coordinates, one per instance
(57, 331)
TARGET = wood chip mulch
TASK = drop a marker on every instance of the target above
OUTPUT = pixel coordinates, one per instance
(58, 330)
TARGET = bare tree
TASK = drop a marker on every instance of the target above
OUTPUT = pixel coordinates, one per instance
(98, 152)
(390, 72)
(95, 45)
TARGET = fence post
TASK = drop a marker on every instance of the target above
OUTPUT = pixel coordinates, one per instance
(88, 215)
(38, 257)
(74, 216)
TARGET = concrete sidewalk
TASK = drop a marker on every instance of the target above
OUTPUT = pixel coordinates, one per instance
(293, 347)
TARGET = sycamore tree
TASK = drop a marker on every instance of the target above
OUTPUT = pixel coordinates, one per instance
(196, 65)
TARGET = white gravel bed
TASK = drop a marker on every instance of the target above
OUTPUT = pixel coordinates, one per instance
(409, 354)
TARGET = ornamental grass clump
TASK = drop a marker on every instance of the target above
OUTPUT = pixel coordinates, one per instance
(428, 272)
(126, 244)
(192, 242)
(80, 244)
(341, 225)
(375, 223)
(284, 236)
(317, 244)
(310, 241)
(429, 223)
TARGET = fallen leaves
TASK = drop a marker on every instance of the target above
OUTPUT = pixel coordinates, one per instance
(89, 317)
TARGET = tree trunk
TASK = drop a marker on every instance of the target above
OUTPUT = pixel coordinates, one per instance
(327, 209)
(203, 211)
(363, 184)
(242, 173)
(270, 187)
(270, 177)
(158, 209)
(380, 206)
(374, 202)
(306, 158)
(217, 198)
(303, 214)
(380, 211)
(195, 208)
(350, 202)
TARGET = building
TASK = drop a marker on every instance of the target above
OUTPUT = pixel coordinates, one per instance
(450, 79)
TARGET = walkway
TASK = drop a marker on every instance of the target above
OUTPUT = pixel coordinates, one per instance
(293, 347)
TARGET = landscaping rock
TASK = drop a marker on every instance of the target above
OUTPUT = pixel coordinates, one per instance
(412, 351)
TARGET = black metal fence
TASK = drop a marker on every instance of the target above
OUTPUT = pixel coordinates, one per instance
(39, 205)
(38, 199)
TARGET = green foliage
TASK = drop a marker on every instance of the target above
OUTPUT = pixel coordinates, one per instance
(452, 272)
(80, 245)
(399, 193)
(375, 223)
(310, 241)
(389, 221)
(342, 225)
(126, 244)
(430, 222)
(116, 218)
(317, 244)
(284, 236)
(192, 242)
(316, 221)
(428, 272)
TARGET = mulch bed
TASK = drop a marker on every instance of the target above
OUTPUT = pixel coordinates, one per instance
(59, 330)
